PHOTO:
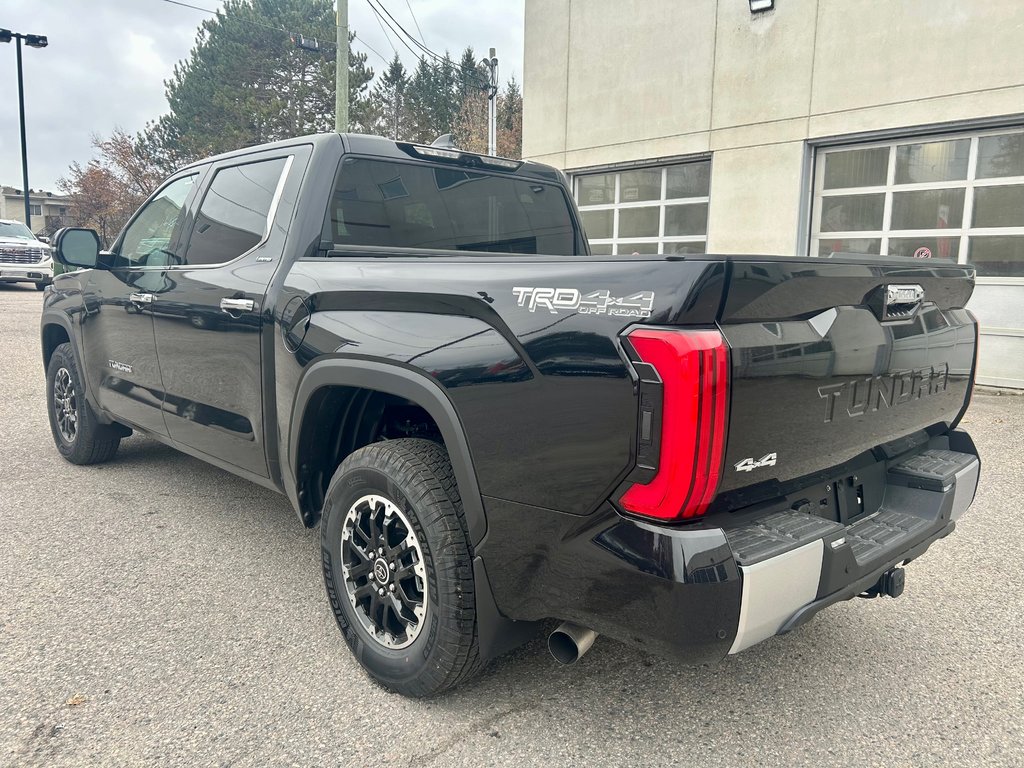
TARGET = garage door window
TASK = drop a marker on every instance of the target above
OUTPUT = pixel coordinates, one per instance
(646, 210)
(959, 198)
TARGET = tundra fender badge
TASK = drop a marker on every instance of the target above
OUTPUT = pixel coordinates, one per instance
(119, 367)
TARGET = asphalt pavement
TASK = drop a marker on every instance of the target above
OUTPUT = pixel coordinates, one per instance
(156, 610)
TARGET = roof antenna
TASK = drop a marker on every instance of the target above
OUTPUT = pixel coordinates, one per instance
(444, 141)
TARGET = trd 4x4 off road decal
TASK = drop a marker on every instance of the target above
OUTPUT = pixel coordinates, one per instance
(556, 300)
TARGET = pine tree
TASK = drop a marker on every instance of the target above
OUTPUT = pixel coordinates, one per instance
(446, 95)
(421, 100)
(470, 129)
(247, 82)
(510, 121)
(472, 74)
(363, 112)
(389, 97)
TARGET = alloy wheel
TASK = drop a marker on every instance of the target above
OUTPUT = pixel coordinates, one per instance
(384, 570)
(65, 405)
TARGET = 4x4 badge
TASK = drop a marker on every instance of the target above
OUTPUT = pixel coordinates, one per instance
(749, 465)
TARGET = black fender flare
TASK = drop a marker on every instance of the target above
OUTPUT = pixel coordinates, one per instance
(411, 384)
(61, 319)
(52, 317)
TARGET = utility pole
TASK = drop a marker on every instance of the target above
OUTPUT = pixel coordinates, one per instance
(492, 104)
(341, 69)
(33, 41)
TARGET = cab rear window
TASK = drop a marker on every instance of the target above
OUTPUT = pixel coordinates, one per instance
(445, 208)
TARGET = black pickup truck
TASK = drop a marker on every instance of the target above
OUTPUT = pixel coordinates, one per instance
(495, 428)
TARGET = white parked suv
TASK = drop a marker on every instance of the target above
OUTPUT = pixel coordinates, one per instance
(23, 257)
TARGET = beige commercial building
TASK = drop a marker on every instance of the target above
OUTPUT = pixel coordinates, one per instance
(885, 126)
(49, 211)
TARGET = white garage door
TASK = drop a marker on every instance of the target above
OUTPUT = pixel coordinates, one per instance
(958, 197)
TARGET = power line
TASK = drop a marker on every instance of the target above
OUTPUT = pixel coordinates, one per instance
(392, 22)
(386, 35)
(372, 49)
(215, 13)
(186, 5)
(401, 33)
(411, 13)
(401, 39)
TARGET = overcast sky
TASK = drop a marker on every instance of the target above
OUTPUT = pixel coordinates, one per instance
(107, 61)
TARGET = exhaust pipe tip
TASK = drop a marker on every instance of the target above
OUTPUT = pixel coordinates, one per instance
(569, 642)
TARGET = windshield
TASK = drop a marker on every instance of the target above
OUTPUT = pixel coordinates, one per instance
(15, 229)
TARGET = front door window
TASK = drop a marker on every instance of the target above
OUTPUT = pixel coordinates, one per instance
(151, 238)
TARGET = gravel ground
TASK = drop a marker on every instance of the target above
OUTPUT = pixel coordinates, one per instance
(158, 610)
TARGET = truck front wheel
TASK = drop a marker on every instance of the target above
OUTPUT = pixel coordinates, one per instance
(398, 567)
(77, 433)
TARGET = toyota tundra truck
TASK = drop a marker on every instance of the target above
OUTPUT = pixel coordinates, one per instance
(498, 431)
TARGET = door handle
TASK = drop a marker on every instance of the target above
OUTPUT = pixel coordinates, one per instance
(140, 298)
(237, 305)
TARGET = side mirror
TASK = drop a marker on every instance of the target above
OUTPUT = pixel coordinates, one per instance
(77, 247)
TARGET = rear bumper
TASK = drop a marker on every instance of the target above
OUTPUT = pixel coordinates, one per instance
(821, 562)
(698, 594)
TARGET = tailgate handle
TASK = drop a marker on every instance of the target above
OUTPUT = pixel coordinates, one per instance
(897, 303)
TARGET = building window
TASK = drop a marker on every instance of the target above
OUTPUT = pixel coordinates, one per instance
(646, 210)
(955, 197)
(36, 210)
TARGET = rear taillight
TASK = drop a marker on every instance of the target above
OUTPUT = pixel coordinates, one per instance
(693, 368)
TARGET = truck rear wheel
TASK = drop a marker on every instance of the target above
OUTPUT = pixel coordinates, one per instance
(79, 436)
(398, 568)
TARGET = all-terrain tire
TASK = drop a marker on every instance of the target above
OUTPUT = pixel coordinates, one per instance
(416, 477)
(91, 442)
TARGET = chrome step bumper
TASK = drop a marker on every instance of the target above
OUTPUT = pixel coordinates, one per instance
(793, 564)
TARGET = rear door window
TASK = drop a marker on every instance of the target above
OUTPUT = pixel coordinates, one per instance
(440, 208)
(235, 213)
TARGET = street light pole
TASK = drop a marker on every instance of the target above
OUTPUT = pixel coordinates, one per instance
(33, 41)
(24, 145)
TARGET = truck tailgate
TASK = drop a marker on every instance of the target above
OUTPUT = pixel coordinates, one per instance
(831, 359)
